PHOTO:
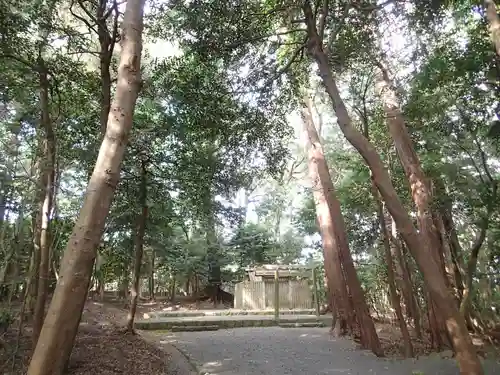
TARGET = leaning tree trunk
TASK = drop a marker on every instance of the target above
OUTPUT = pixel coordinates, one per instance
(335, 239)
(465, 352)
(61, 324)
(139, 245)
(420, 188)
(47, 175)
(391, 277)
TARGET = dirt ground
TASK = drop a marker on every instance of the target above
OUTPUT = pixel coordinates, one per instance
(101, 348)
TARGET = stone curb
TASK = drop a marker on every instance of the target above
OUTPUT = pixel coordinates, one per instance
(196, 370)
(178, 358)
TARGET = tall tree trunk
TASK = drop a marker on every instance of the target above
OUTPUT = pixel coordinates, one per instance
(187, 285)
(407, 285)
(337, 255)
(99, 275)
(61, 324)
(445, 210)
(36, 224)
(214, 271)
(47, 175)
(107, 40)
(5, 270)
(196, 284)
(173, 288)
(152, 276)
(465, 352)
(43, 158)
(391, 277)
(3, 200)
(125, 282)
(494, 23)
(322, 190)
(474, 253)
(139, 246)
(420, 188)
(448, 261)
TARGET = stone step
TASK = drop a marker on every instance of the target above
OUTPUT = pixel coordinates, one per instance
(302, 325)
(183, 328)
(233, 312)
(230, 321)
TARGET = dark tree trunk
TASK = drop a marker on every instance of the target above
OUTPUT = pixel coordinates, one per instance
(107, 40)
(152, 276)
(47, 175)
(139, 246)
(172, 288)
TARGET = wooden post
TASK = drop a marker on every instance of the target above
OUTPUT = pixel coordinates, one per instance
(276, 296)
(315, 289)
(263, 305)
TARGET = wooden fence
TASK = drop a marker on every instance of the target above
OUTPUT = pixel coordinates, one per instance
(259, 295)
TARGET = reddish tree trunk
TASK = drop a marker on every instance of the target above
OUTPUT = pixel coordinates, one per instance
(338, 258)
(391, 276)
(412, 307)
(421, 192)
(320, 178)
(465, 352)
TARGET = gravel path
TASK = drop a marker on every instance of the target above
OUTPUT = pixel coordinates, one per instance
(300, 351)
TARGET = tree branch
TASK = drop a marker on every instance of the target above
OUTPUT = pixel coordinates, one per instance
(30, 65)
(322, 20)
(86, 22)
(262, 37)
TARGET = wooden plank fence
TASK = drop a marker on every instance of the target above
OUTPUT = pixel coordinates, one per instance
(259, 295)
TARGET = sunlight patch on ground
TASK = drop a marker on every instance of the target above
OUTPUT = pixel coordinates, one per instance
(309, 335)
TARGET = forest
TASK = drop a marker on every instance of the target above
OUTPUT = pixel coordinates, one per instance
(155, 148)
